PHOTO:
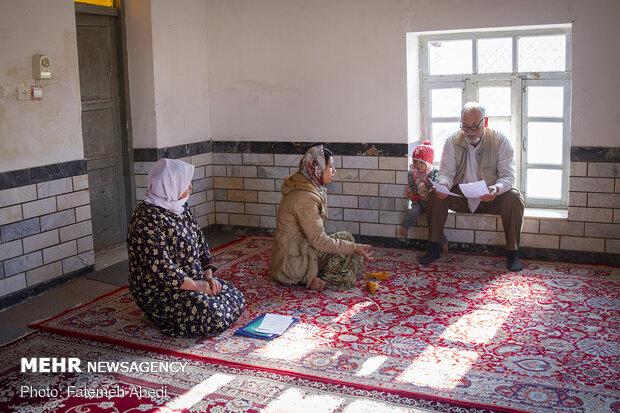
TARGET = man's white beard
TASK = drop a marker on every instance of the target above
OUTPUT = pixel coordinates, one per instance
(474, 141)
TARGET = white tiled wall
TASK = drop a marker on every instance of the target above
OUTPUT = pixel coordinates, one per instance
(367, 197)
(45, 232)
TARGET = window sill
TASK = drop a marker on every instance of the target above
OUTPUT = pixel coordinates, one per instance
(546, 213)
(538, 213)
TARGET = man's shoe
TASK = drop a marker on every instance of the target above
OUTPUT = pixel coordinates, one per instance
(513, 261)
(431, 255)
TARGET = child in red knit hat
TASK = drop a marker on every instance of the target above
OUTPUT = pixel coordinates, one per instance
(421, 173)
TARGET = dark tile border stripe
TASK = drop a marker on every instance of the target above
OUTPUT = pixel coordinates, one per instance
(299, 148)
(172, 152)
(38, 174)
(594, 154)
(578, 153)
(285, 148)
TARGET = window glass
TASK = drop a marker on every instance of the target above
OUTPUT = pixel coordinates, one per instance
(502, 126)
(544, 142)
(542, 53)
(545, 101)
(440, 131)
(450, 57)
(496, 100)
(544, 183)
(495, 55)
(446, 103)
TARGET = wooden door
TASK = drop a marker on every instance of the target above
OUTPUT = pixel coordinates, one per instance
(101, 127)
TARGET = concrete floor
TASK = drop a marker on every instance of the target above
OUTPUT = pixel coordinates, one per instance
(110, 273)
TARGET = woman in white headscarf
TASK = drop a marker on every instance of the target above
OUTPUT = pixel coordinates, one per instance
(170, 270)
(302, 253)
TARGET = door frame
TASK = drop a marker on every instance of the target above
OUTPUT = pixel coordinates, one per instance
(123, 91)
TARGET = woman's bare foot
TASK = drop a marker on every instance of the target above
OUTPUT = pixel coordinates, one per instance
(317, 284)
(445, 248)
(402, 233)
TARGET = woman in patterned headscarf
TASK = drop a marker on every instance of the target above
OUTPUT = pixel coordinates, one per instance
(170, 270)
(302, 252)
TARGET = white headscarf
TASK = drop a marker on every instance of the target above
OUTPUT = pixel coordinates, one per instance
(166, 182)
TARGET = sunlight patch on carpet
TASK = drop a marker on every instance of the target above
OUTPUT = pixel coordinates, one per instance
(479, 326)
(368, 406)
(345, 316)
(298, 401)
(294, 346)
(371, 365)
(440, 368)
(199, 391)
(443, 367)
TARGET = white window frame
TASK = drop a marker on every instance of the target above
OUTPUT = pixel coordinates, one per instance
(519, 82)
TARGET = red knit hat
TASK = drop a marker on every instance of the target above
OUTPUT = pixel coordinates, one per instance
(424, 152)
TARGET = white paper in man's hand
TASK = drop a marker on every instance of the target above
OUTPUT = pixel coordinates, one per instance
(474, 189)
(442, 189)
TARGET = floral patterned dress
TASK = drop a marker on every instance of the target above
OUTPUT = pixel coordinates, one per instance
(163, 249)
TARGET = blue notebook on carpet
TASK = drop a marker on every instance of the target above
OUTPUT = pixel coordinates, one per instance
(249, 330)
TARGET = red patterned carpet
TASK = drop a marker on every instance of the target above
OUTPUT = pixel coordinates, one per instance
(200, 386)
(463, 331)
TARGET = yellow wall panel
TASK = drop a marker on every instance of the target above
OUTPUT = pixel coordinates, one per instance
(107, 3)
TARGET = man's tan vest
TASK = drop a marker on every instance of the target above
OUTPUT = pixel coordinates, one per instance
(486, 156)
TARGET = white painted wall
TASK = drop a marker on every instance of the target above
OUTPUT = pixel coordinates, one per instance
(291, 70)
(596, 73)
(168, 72)
(181, 75)
(34, 133)
(282, 70)
(296, 70)
(141, 73)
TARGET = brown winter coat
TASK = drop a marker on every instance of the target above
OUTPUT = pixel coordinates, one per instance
(300, 233)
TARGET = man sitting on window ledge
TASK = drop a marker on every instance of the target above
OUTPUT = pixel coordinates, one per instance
(474, 153)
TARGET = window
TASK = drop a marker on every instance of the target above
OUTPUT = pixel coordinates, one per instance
(523, 77)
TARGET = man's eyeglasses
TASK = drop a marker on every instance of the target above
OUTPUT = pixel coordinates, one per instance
(472, 128)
